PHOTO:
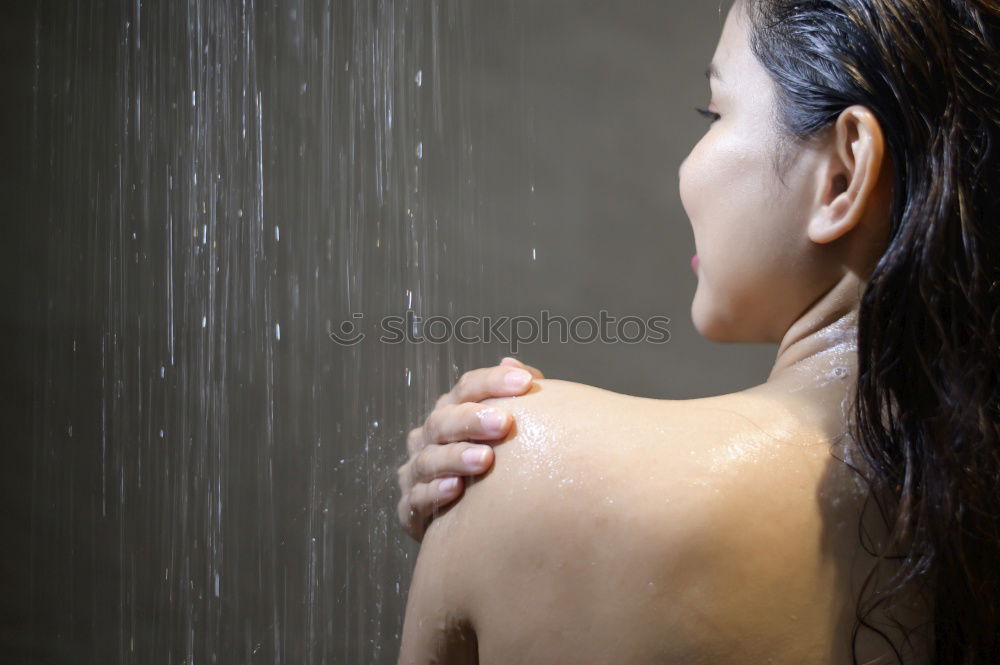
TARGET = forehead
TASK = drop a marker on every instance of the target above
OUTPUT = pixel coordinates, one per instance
(733, 63)
(732, 44)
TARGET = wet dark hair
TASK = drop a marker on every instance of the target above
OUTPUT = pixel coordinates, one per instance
(926, 418)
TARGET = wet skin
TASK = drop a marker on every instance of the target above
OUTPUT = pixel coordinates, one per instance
(629, 530)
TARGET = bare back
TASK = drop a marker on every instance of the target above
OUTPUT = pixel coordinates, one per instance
(631, 530)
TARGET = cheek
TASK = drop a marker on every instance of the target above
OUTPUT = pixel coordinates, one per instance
(695, 181)
(721, 191)
(742, 238)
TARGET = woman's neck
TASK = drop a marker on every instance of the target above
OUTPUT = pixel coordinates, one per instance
(822, 343)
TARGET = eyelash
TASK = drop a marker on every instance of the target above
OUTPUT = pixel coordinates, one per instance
(708, 114)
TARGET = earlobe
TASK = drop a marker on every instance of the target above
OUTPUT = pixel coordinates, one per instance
(831, 221)
(852, 173)
(836, 214)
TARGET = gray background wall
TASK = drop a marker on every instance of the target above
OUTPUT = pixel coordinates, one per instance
(609, 90)
(259, 526)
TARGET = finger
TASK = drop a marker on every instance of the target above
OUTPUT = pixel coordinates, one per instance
(416, 508)
(514, 362)
(461, 422)
(459, 459)
(410, 519)
(496, 381)
(415, 441)
(404, 477)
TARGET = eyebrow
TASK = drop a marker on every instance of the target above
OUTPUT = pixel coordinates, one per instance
(713, 72)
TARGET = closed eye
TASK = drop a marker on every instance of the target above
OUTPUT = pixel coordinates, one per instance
(709, 114)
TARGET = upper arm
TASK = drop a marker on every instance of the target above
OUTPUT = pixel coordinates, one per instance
(436, 628)
(466, 555)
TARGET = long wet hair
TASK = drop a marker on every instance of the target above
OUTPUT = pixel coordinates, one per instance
(926, 416)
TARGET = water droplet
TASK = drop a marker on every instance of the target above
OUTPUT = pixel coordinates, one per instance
(204, 321)
(419, 78)
(420, 150)
(277, 331)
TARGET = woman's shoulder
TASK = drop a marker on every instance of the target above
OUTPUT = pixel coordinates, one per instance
(716, 435)
(577, 448)
(663, 507)
(718, 474)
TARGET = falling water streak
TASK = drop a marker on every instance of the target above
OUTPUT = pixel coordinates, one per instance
(215, 478)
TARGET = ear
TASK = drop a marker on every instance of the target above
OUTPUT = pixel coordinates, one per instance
(850, 175)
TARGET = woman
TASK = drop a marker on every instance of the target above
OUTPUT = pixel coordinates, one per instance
(844, 203)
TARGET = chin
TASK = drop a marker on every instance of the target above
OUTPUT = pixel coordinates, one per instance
(708, 326)
(714, 327)
(717, 334)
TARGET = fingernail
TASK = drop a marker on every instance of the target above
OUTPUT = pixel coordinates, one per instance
(517, 378)
(491, 419)
(448, 484)
(474, 457)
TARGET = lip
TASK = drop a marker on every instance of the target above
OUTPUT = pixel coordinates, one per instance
(694, 263)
